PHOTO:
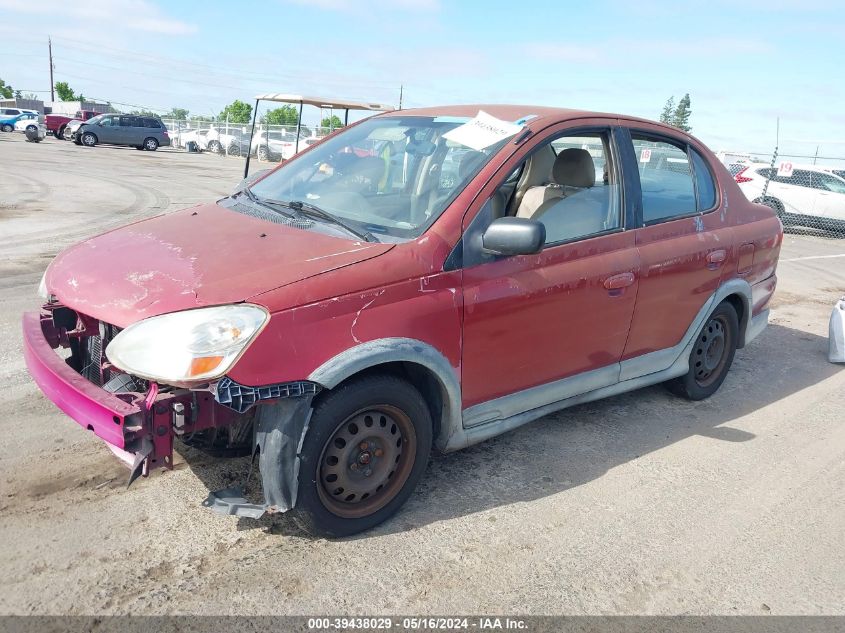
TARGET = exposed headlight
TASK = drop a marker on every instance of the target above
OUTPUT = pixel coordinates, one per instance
(187, 347)
(42, 287)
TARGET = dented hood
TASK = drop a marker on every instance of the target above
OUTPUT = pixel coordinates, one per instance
(197, 257)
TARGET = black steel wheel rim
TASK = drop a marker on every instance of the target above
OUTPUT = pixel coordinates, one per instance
(366, 461)
(711, 351)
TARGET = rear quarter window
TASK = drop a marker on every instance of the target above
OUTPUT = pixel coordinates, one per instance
(705, 185)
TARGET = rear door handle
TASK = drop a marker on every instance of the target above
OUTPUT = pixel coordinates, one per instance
(716, 258)
(620, 281)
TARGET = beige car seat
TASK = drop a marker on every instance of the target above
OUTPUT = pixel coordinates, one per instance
(572, 168)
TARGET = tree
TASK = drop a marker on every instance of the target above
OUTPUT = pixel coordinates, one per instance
(286, 115)
(144, 112)
(6, 91)
(332, 122)
(677, 116)
(668, 111)
(65, 92)
(180, 114)
(236, 112)
(682, 114)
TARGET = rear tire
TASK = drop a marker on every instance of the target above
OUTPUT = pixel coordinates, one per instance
(365, 451)
(263, 153)
(7, 128)
(150, 144)
(61, 133)
(711, 356)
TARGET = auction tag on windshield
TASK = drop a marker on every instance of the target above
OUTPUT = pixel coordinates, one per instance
(785, 169)
(645, 155)
(482, 131)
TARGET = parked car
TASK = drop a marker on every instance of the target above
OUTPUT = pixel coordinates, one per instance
(33, 126)
(141, 132)
(12, 116)
(809, 196)
(15, 111)
(57, 123)
(275, 146)
(341, 315)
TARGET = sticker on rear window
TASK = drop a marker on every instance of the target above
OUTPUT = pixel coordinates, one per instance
(645, 155)
(482, 131)
(785, 169)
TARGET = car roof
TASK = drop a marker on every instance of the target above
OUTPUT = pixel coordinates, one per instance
(540, 116)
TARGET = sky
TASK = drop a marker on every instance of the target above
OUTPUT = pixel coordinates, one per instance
(745, 63)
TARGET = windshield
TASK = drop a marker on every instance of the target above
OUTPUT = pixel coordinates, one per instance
(96, 119)
(388, 175)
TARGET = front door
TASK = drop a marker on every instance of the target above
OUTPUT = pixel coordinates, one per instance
(534, 320)
(108, 130)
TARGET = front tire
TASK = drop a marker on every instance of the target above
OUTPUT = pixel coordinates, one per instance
(711, 356)
(366, 450)
(89, 139)
(7, 128)
(263, 153)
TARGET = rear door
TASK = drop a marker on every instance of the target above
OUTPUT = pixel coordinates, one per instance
(682, 240)
(131, 132)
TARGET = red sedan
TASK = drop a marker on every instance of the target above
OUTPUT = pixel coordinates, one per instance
(473, 269)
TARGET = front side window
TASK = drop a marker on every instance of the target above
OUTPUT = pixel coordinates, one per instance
(107, 121)
(581, 197)
(391, 176)
(665, 179)
(829, 183)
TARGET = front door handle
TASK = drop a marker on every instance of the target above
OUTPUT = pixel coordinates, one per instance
(620, 281)
(716, 258)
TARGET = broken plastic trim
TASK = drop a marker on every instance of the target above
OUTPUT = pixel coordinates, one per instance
(241, 398)
(279, 433)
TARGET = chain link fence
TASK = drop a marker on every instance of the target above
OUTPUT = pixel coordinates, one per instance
(807, 192)
(270, 143)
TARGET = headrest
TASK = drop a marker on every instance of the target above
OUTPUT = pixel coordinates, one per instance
(574, 168)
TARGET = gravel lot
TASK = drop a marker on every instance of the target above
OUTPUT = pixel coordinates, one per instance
(640, 504)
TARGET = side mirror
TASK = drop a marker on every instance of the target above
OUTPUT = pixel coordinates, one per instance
(514, 236)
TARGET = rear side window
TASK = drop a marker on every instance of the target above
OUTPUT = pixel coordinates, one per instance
(151, 123)
(705, 186)
(666, 179)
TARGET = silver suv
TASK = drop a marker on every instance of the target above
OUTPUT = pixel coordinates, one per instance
(141, 132)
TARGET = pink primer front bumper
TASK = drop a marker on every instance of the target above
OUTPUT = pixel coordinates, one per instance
(89, 405)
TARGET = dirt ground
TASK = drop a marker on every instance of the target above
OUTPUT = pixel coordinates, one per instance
(640, 504)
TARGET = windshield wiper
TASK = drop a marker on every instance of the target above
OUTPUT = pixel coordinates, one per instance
(306, 208)
(267, 204)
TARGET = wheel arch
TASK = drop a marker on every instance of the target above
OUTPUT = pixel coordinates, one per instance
(742, 304)
(417, 362)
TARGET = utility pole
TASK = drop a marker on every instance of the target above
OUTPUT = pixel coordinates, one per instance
(401, 88)
(52, 89)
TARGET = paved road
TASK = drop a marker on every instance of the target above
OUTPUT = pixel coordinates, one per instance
(638, 504)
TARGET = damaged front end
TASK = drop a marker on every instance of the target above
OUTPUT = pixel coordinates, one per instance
(139, 419)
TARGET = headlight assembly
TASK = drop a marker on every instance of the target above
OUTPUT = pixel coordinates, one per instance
(187, 347)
